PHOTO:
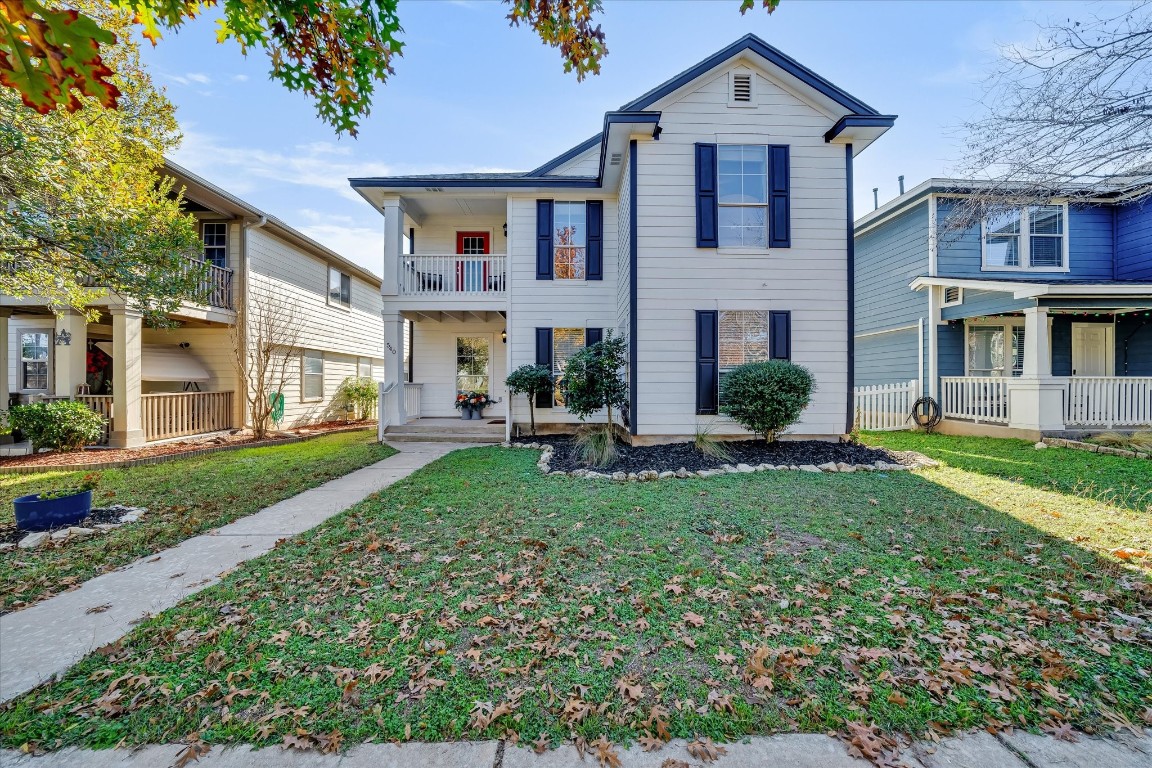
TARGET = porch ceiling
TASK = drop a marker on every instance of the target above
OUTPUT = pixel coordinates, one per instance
(452, 316)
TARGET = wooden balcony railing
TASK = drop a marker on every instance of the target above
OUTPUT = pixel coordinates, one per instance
(172, 414)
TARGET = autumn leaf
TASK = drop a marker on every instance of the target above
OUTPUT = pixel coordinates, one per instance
(724, 657)
(191, 753)
(609, 658)
(650, 743)
(215, 661)
(606, 754)
(693, 619)
(542, 743)
(704, 750)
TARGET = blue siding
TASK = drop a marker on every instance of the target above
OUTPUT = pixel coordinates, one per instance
(1134, 346)
(950, 349)
(886, 359)
(1061, 345)
(1089, 247)
(888, 258)
(1134, 241)
(983, 303)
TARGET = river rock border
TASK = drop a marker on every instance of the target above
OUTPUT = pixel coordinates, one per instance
(647, 475)
(1107, 450)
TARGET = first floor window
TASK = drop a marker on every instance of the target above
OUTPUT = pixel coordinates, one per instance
(214, 236)
(34, 350)
(565, 343)
(742, 171)
(472, 358)
(570, 227)
(743, 338)
(339, 288)
(364, 368)
(995, 350)
(312, 387)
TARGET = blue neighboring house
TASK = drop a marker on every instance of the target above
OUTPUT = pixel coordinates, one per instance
(1037, 322)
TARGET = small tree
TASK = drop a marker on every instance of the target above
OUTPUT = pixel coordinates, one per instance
(361, 393)
(593, 378)
(266, 344)
(766, 398)
(533, 381)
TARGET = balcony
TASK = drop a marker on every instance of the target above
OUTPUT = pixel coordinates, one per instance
(454, 275)
(214, 289)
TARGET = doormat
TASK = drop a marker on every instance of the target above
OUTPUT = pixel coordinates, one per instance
(497, 421)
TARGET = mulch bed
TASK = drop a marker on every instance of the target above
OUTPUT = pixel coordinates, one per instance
(111, 455)
(669, 458)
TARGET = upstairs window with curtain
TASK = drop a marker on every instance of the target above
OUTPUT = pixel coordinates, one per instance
(1033, 238)
(565, 343)
(743, 337)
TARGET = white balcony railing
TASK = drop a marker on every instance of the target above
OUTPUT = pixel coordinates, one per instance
(976, 398)
(412, 394)
(454, 275)
(1108, 401)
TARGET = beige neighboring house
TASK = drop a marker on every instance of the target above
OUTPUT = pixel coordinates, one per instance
(155, 383)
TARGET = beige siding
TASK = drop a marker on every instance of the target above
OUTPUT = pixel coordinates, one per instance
(675, 278)
(554, 303)
(212, 347)
(434, 364)
(342, 334)
(584, 164)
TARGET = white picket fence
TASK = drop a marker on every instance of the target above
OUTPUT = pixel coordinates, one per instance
(885, 407)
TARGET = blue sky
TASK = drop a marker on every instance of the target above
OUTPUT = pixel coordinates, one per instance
(471, 93)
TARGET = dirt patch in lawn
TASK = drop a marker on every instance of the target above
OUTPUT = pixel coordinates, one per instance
(669, 458)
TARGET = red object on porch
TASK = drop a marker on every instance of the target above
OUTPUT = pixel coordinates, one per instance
(472, 244)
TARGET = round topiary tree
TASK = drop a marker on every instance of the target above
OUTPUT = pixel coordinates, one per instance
(531, 380)
(766, 398)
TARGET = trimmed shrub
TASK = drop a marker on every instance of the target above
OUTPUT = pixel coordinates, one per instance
(766, 398)
(360, 393)
(65, 425)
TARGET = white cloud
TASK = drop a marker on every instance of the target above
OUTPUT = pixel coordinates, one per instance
(189, 78)
(239, 78)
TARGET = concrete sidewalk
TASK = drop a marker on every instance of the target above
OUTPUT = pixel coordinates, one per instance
(975, 750)
(46, 639)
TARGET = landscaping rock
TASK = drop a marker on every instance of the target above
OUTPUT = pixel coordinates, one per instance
(648, 475)
(620, 477)
(60, 535)
(842, 467)
(1040, 445)
(81, 533)
(130, 518)
(809, 468)
(828, 467)
(666, 475)
(7, 546)
(34, 540)
(765, 467)
(683, 473)
(744, 468)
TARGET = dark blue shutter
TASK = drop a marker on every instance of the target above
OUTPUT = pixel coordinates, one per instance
(780, 335)
(593, 336)
(544, 358)
(544, 240)
(707, 235)
(779, 192)
(707, 361)
(595, 216)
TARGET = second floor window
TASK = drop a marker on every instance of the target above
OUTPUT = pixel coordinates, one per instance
(743, 201)
(570, 225)
(339, 288)
(1030, 238)
(214, 235)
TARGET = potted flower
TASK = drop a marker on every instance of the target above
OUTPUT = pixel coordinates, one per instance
(478, 401)
(56, 508)
(463, 405)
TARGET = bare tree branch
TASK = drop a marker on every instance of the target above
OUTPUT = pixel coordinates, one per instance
(266, 344)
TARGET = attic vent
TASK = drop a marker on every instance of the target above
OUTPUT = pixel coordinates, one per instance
(952, 295)
(615, 158)
(741, 87)
(433, 189)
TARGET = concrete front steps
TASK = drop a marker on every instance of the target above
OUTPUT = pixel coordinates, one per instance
(434, 430)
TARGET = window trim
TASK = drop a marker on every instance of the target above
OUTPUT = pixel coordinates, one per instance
(456, 360)
(315, 354)
(1007, 326)
(328, 288)
(556, 246)
(364, 361)
(1026, 244)
(51, 333)
(204, 246)
(721, 248)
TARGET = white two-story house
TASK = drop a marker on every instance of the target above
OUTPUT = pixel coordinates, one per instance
(184, 380)
(709, 222)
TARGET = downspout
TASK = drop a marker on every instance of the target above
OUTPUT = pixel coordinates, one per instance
(241, 294)
(850, 253)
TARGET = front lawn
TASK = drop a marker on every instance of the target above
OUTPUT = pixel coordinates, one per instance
(184, 497)
(480, 599)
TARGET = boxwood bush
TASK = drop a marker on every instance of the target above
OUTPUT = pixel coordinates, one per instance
(766, 398)
(65, 425)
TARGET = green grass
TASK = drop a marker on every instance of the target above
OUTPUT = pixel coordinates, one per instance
(184, 497)
(742, 604)
(1113, 480)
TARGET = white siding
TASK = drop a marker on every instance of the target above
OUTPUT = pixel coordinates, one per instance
(434, 364)
(554, 303)
(437, 235)
(584, 164)
(675, 278)
(341, 334)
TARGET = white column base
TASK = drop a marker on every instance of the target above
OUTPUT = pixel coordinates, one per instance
(130, 439)
(1036, 404)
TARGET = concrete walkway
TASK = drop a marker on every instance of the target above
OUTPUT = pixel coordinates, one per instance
(976, 750)
(46, 639)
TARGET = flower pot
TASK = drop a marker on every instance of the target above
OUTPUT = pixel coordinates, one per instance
(465, 412)
(36, 514)
(478, 413)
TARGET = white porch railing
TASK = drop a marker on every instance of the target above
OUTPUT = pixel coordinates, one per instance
(180, 414)
(885, 407)
(102, 404)
(412, 393)
(1108, 401)
(454, 274)
(976, 398)
(384, 399)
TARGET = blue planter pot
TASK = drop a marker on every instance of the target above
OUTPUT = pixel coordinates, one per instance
(36, 514)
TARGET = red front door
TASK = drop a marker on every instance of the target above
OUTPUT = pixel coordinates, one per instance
(472, 267)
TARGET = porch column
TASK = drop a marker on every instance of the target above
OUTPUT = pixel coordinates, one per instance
(71, 359)
(1035, 399)
(5, 357)
(392, 410)
(393, 209)
(127, 329)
